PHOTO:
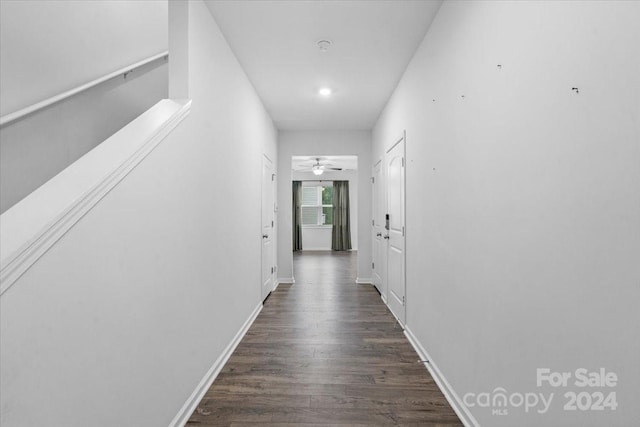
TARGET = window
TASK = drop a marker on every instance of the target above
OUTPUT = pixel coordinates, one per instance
(317, 205)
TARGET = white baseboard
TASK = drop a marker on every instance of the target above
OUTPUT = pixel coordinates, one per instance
(190, 405)
(452, 397)
(285, 280)
(364, 281)
(316, 249)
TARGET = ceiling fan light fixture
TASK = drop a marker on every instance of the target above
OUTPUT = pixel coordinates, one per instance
(317, 169)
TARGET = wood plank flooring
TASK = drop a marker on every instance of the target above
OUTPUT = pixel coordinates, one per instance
(324, 352)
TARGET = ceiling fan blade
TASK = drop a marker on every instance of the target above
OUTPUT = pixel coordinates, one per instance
(334, 169)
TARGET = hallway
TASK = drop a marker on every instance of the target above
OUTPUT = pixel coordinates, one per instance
(324, 351)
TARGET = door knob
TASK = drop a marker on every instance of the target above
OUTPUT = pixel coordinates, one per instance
(378, 234)
(386, 236)
(265, 236)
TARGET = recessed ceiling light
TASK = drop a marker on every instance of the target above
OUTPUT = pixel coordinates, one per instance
(324, 91)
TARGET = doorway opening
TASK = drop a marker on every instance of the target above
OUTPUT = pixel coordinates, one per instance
(325, 208)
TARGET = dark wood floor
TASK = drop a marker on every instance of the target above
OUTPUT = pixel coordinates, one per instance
(322, 352)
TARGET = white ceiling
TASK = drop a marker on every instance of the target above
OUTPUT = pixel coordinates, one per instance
(275, 41)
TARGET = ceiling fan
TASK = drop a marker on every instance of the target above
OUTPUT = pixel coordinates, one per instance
(318, 168)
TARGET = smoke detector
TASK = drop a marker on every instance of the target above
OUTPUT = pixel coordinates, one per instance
(323, 45)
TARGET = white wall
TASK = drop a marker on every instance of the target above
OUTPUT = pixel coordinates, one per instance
(319, 237)
(324, 143)
(119, 321)
(48, 47)
(36, 148)
(523, 231)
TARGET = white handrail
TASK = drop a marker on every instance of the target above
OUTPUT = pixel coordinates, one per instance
(11, 117)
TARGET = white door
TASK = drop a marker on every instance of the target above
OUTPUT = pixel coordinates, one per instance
(395, 231)
(268, 222)
(378, 230)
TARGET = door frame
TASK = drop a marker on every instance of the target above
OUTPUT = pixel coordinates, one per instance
(401, 317)
(378, 196)
(272, 209)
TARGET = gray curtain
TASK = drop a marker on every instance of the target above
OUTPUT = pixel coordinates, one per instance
(296, 215)
(341, 232)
